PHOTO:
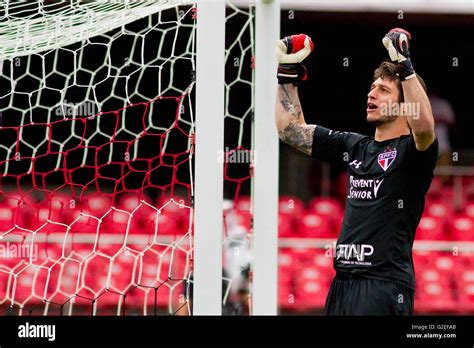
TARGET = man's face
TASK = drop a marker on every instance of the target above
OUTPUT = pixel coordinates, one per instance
(382, 97)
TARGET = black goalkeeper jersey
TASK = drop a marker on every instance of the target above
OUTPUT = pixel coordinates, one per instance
(386, 186)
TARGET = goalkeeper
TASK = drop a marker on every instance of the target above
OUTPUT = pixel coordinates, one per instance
(388, 176)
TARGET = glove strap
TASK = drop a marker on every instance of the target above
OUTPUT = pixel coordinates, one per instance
(291, 73)
(405, 70)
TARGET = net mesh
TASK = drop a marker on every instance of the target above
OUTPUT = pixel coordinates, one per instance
(28, 27)
(96, 159)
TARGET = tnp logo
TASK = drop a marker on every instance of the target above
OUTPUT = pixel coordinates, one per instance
(350, 251)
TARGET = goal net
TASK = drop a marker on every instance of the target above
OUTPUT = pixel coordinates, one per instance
(96, 157)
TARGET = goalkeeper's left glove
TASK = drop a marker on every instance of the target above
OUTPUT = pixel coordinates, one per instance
(290, 52)
(397, 42)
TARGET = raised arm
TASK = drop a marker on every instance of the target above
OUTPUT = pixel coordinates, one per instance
(422, 125)
(289, 118)
(292, 128)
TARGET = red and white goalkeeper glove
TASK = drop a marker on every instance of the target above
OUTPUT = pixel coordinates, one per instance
(290, 52)
(397, 42)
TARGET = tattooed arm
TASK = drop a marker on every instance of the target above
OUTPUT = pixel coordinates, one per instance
(292, 128)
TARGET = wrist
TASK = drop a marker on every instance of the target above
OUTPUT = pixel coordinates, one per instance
(291, 73)
(405, 70)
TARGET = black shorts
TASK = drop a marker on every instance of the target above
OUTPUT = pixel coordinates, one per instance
(352, 295)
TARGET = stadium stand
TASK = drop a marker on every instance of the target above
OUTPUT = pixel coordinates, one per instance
(445, 276)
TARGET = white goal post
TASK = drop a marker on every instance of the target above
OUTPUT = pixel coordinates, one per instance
(266, 142)
(208, 208)
(209, 171)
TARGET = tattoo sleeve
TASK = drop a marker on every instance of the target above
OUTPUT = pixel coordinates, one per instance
(291, 105)
(292, 128)
(299, 136)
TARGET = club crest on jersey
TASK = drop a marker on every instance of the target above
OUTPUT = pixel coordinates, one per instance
(385, 159)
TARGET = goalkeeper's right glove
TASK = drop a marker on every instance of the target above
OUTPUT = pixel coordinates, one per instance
(397, 43)
(290, 52)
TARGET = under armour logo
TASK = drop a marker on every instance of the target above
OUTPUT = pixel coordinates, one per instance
(355, 163)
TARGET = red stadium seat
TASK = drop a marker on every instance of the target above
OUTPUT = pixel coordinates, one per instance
(466, 297)
(96, 204)
(434, 192)
(329, 208)
(287, 226)
(442, 211)
(124, 271)
(434, 296)
(291, 209)
(85, 222)
(325, 264)
(316, 226)
(55, 208)
(469, 210)
(466, 276)
(162, 274)
(286, 268)
(432, 275)
(468, 187)
(435, 284)
(7, 220)
(5, 276)
(175, 207)
(290, 205)
(286, 295)
(115, 221)
(303, 256)
(285, 276)
(167, 224)
(312, 284)
(438, 209)
(95, 275)
(128, 202)
(465, 288)
(430, 228)
(325, 206)
(423, 258)
(312, 273)
(446, 264)
(462, 228)
(322, 260)
(447, 194)
(63, 281)
(286, 259)
(30, 284)
(311, 294)
(14, 200)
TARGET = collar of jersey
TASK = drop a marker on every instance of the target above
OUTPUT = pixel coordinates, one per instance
(387, 141)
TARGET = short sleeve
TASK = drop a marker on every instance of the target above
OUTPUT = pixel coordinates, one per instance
(424, 159)
(329, 145)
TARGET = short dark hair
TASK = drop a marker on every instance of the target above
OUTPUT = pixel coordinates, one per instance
(388, 70)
